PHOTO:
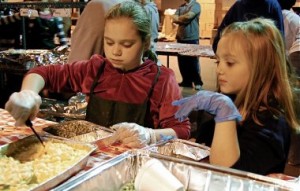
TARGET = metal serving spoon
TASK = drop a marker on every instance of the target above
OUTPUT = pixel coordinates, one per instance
(29, 124)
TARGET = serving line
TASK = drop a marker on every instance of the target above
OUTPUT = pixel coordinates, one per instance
(9, 133)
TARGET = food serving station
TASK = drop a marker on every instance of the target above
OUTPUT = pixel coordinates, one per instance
(102, 166)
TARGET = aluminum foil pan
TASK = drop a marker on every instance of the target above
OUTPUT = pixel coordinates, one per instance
(121, 170)
(79, 130)
(183, 149)
(29, 149)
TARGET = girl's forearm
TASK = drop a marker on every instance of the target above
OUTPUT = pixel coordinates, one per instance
(225, 149)
(33, 82)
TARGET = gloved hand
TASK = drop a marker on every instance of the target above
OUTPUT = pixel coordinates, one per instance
(214, 103)
(134, 135)
(23, 105)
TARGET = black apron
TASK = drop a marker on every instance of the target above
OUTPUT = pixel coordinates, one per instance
(107, 112)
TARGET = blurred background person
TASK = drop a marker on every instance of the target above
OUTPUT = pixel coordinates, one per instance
(153, 14)
(10, 29)
(243, 10)
(292, 46)
(40, 32)
(45, 31)
(292, 33)
(187, 19)
(87, 37)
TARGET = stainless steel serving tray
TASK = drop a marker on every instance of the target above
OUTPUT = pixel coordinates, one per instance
(114, 173)
(9, 149)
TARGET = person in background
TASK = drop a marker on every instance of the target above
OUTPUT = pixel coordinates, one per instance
(292, 33)
(292, 45)
(243, 10)
(87, 37)
(253, 133)
(187, 18)
(40, 31)
(10, 29)
(296, 8)
(132, 95)
(153, 14)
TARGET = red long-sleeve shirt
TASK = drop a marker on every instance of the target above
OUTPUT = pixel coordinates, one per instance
(114, 84)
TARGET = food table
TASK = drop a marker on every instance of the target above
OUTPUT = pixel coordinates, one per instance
(175, 49)
(104, 171)
(9, 134)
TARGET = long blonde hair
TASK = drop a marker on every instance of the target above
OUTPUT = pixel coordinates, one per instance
(269, 80)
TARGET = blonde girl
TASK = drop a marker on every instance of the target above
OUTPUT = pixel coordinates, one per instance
(252, 132)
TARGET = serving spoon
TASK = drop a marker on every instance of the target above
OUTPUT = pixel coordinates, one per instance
(29, 124)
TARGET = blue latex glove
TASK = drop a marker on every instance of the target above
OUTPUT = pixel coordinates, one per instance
(212, 102)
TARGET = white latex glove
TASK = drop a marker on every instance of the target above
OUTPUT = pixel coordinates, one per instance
(134, 135)
(23, 105)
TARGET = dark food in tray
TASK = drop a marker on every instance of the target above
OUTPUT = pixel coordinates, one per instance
(27, 165)
(79, 130)
(70, 129)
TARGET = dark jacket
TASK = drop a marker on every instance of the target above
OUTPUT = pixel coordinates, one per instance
(243, 10)
(263, 149)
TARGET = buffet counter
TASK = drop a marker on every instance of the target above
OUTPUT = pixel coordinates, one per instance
(10, 134)
(103, 171)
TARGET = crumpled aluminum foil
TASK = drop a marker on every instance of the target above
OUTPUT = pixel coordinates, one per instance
(183, 149)
(21, 59)
(77, 104)
(74, 109)
(58, 55)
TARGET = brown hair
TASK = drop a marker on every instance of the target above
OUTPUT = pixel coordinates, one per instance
(138, 15)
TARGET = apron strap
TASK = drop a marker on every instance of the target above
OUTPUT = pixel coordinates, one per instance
(95, 82)
(153, 83)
